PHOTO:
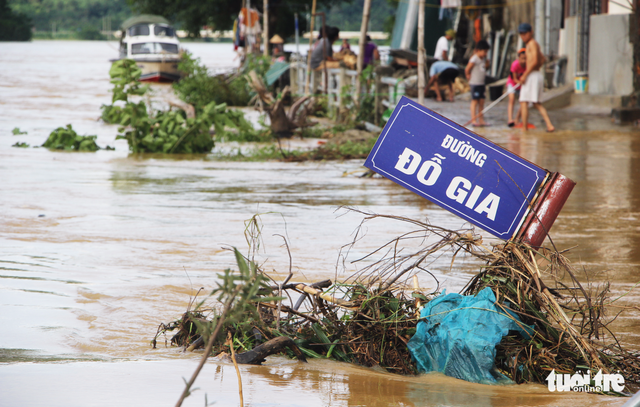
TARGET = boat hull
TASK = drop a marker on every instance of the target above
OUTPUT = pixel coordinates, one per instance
(159, 70)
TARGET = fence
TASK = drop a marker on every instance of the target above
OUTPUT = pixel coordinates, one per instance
(340, 82)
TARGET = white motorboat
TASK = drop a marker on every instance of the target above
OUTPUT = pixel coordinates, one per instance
(152, 43)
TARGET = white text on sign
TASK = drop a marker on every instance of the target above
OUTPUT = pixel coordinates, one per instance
(459, 187)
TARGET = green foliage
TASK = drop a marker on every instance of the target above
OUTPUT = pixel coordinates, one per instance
(166, 131)
(65, 138)
(89, 32)
(348, 15)
(125, 77)
(111, 114)
(241, 290)
(16, 131)
(330, 151)
(198, 88)
(20, 144)
(220, 14)
(366, 111)
(312, 132)
(71, 15)
(14, 25)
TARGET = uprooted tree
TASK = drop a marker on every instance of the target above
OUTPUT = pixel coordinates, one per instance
(282, 123)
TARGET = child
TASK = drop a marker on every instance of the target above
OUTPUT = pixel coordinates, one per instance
(513, 87)
(476, 71)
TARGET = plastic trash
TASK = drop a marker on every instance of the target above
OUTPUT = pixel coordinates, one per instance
(458, 334)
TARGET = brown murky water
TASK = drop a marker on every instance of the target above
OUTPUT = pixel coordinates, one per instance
(98, 248)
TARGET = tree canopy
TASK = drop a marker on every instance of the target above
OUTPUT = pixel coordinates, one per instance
(13, 26)
(220, 14)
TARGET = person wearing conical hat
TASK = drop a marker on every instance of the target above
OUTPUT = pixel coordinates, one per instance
(277, 47)
(276, 39)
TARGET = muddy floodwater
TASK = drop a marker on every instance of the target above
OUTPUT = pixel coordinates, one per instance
(97, 249)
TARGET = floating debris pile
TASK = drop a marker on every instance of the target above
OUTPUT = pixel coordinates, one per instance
(369, 318)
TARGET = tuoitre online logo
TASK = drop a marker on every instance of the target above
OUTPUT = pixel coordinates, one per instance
(584, 382)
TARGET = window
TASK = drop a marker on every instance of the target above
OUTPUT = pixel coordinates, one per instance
(163, 31)
(139, 29)
(154, 48)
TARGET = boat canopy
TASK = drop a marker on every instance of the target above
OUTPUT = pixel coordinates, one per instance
(143, 19)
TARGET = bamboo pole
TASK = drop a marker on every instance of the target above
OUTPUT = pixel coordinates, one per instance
(421, 53)
(327, 297)
(313, 13)
(363, 38)
(265, 29)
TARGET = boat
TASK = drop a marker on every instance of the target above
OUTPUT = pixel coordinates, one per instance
(152, 42)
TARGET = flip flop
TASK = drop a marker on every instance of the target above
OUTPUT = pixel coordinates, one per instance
(529, 126)
(511, 124)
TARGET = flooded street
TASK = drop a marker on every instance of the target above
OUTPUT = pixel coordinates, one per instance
(97, 249)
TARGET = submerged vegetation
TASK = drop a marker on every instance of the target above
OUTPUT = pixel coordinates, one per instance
(65, 138)
(369, 318)
(199, 88)
(184, 130)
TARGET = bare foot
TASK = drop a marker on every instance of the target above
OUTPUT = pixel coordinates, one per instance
(551, 129)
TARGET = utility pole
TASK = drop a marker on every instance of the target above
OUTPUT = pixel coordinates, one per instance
(363, 39)
(313, 17)
(265, 30)
(421, 53)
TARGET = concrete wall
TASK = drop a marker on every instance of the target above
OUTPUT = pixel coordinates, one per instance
(610, 55)
(570, 46)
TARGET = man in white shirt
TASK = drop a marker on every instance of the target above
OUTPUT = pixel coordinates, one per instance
(442, 46)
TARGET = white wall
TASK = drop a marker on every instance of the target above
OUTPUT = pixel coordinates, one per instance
(610, 55)
(618, 9)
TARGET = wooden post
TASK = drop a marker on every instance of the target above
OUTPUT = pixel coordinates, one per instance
(376, 99)
(363, 38)
(342, 81)
(421, 53)
(293, 75)
(313, 17)
(265, 29)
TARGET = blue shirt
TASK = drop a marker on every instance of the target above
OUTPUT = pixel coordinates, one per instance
(440, 66)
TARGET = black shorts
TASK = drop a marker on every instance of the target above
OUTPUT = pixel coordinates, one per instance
(448, 76)
(477, 92)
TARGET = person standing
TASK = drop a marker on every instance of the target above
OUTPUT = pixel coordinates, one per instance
(476, 72)
(513, 87)
(532, 81)
(442, 46)
(322, 54)
(371, 53)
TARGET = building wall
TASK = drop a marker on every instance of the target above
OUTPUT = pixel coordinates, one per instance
(570, 46)
(610, 55)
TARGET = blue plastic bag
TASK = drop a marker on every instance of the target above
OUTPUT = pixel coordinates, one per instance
(458, 334)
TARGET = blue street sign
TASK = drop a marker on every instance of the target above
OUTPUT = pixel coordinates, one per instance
(456, 169)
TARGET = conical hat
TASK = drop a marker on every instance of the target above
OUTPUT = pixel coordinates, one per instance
(276, 39)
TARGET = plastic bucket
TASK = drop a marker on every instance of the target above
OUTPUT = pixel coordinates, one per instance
(582, 83)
